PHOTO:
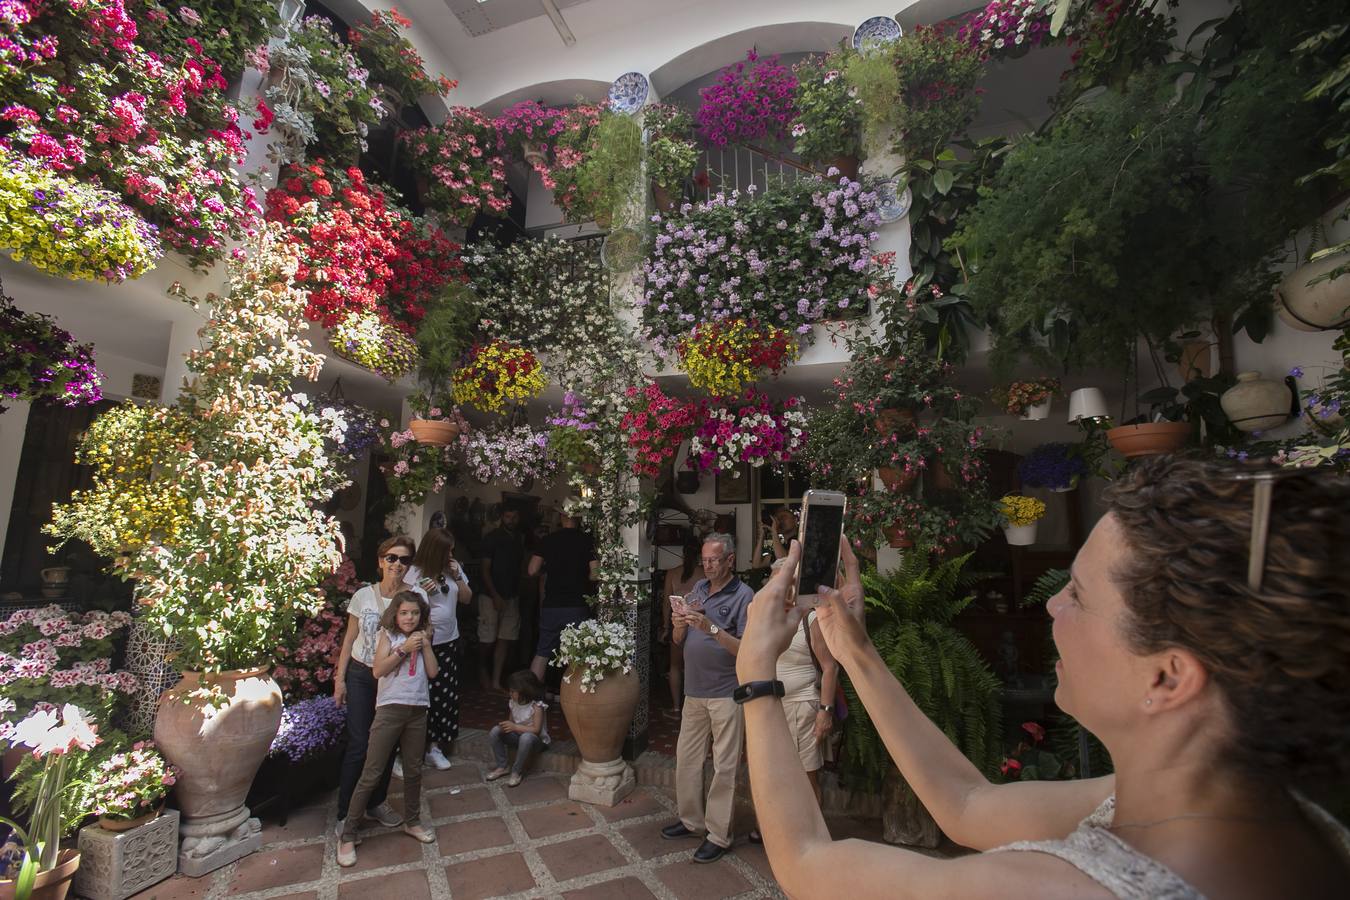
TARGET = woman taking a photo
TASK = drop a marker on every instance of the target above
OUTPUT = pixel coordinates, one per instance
(440, 576)
(1204, 637)
(354, 681)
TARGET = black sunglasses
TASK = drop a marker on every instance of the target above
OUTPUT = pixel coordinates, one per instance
(395, 558)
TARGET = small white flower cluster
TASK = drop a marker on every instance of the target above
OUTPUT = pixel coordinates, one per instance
(593, 649)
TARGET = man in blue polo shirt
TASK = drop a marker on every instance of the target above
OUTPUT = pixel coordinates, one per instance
(710, 629)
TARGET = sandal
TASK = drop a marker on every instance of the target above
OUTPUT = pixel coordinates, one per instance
(418, 833)
(496, 773)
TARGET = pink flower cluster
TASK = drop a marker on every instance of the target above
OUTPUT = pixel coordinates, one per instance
(464, 170)
(1007, 27)
(751, 100)
(753, 429)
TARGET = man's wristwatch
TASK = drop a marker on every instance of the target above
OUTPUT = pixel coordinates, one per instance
(752, 689)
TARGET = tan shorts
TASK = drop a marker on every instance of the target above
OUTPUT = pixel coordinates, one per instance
(801, 719)
(493, 627)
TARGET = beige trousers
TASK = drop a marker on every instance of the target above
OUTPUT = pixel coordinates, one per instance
(721, 721)
(396, 725)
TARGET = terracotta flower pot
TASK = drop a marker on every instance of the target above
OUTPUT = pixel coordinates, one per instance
(896, 479)
(52, 884)
(599, 720)
(1149, 439)
(433, 432)
(896, 537)
(662, 199)
(892, 420)
(108, 823)
(217, 751)
(847, 166)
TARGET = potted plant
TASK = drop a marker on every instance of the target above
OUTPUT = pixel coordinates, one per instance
(41, 363)
(570, 437)
(304, 755)
(725, 356)
(1020, 515)
(608, 174)
(372, 343)
(435, 421)
(1175, 417)
(600, 686)
(412, 469)
(655, 424)
(748, 429)
(41, 869)
(911, 612)
(671, 154)
(497, 373)
(1008, 29)
(752, 100)
(352, 428)
(1030, 399)
(392, 60)
(198, 529)
(827, 129)
(527, 128)
(509, 455)
(1057, 466)
(305, 668)
(129, 787)
(461, 165)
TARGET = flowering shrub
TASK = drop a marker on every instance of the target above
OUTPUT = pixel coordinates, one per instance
(593, 649)
(350, 427)
(359, 251)
(127, 106)
(789, 259)
(829, 114)
(305, 666)
(459, 159)
(496, 374)
(70, 229)
(937, 75)
(512, 455)
(226, 29)
(1056, 466)
(225, 486)
(564, 156)
(413, 470)
(725, 356)
(655, 425)
(309, 729)
(1007, 28)
(750, 101)
(1022, 395)
(571, 434)
(392, 59)
(41, 363)
(131, 783)
(382, 347)
(1020, 510)
(752, 430)
(318, 93)
(49, 657)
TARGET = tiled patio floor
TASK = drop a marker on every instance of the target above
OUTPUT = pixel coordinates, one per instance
(492, 841)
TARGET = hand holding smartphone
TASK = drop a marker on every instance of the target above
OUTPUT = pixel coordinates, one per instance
(820, 534)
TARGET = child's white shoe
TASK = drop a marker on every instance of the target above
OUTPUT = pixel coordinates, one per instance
(417, 832)
(436, 759)
(515, 779)
(346, 854)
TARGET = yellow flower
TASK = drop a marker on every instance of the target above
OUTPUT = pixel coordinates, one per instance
(1021, 510)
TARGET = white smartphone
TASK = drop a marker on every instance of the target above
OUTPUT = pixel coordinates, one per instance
(822, 529)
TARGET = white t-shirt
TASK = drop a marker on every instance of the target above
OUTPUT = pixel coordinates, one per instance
(407, 684)
(523, 714)
(367, 606)
(444, 623)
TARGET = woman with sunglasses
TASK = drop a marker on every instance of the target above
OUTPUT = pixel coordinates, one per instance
(1204, 637)
(354, 682)
(440, 576)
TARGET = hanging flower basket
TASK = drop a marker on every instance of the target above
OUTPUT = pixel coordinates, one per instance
(1037, 411)
(896, 536)
(434, 432)
(897, 479)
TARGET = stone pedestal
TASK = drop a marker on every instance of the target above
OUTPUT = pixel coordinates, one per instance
(210, 842)
(603, 784)
(116, 864)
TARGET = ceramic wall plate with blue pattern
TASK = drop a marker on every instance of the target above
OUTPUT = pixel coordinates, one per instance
(628, 93)
(892, 204)
(876, 30)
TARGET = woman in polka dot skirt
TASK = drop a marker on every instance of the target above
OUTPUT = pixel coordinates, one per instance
(436, 571)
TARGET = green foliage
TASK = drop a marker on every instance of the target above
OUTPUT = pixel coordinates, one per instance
(81, 775)
(671, 152)
(873, 78)
(1113, 40)
(1048, 585)
(910, 614)
(446, 332)
(226, 29)
(937, 74)
(829, 114)
(608, 175)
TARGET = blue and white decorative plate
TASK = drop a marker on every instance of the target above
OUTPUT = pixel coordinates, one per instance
(892, 206)
(628, 93)
(876, 30)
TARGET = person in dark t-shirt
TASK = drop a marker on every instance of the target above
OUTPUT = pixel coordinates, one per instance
(502, 551)
(567, 559)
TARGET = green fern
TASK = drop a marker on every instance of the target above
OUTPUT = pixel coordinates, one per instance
(910, 614)
(1047, 586)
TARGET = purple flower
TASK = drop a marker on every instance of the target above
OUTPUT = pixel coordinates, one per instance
(309, 728)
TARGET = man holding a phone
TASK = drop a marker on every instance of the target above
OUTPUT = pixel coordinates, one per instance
(708, 623)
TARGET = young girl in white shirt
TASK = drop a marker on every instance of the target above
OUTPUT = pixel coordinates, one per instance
(404, 665)
(526, 729)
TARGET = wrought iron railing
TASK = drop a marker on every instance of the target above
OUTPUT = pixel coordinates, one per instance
(738, 167)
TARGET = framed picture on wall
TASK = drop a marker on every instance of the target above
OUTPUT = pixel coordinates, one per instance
(734, 486)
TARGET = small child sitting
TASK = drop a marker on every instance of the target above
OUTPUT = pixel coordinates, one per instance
(526, 729)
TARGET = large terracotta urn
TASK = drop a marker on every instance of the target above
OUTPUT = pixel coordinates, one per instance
(1319, 307)
(599, 720)
(217, 750)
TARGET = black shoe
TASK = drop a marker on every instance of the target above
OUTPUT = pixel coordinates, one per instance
(708, 852)
(676, 831)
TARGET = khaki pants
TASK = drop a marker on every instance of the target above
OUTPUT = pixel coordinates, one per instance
(395, 725)
(720, 720)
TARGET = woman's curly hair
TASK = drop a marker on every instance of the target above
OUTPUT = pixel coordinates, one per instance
(1280, 655)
